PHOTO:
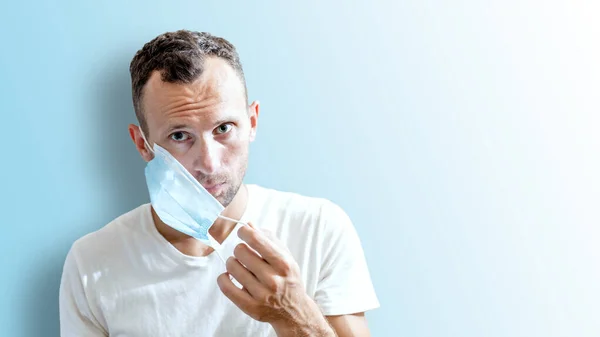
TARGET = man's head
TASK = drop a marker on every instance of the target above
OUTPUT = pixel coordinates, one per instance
(189, 95)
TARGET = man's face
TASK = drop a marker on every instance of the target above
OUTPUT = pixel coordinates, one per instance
(207, 125)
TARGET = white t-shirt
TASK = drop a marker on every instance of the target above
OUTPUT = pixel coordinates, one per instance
(126, 279)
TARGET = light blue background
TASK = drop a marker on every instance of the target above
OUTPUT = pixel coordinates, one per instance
(461, 137)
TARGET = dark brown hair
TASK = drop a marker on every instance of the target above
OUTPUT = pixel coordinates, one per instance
(179, 56)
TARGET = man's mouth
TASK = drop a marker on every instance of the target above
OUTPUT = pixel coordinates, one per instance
(213, 188)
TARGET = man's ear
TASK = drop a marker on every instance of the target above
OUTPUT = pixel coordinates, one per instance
(136, 136)
(253, 111)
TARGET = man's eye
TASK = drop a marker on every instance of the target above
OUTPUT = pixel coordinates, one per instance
(179, 136)
(223, 128)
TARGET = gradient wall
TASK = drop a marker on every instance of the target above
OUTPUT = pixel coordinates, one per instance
(461, 137)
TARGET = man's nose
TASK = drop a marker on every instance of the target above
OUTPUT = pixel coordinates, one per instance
(208, 157)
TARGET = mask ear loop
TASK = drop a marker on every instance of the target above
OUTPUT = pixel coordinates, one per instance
(146, 141)
(215, 245)
(232, 220)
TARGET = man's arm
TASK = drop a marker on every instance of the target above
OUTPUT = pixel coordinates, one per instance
(76, 318)
(354, 325)
(344, 291)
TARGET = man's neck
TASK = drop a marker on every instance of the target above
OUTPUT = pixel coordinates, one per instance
(219, 230)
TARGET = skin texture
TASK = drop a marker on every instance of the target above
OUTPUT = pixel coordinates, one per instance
(208, 126)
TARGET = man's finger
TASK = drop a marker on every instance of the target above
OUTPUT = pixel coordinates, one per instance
(246, 278)
(254, 263)
(241, 298)
(263, 246)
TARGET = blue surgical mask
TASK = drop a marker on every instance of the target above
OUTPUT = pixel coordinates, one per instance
(179, 200)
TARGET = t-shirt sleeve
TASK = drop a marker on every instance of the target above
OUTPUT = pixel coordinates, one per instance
(76, 317)
(344, 285)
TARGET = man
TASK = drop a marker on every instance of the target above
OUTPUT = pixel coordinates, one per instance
(299, 261)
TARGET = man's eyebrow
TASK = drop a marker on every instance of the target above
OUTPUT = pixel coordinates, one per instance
(176, 126)
(233, 117)
(226, 119)
(229, 116)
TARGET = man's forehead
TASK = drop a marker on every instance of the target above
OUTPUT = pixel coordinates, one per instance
(218, 84)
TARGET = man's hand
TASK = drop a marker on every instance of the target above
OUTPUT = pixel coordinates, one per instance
(272, 287)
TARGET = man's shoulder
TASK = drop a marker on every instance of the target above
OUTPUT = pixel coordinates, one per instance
(285, 200)
(318, 210)
(104, 240)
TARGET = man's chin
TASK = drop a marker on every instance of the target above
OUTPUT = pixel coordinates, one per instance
(227, 194)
